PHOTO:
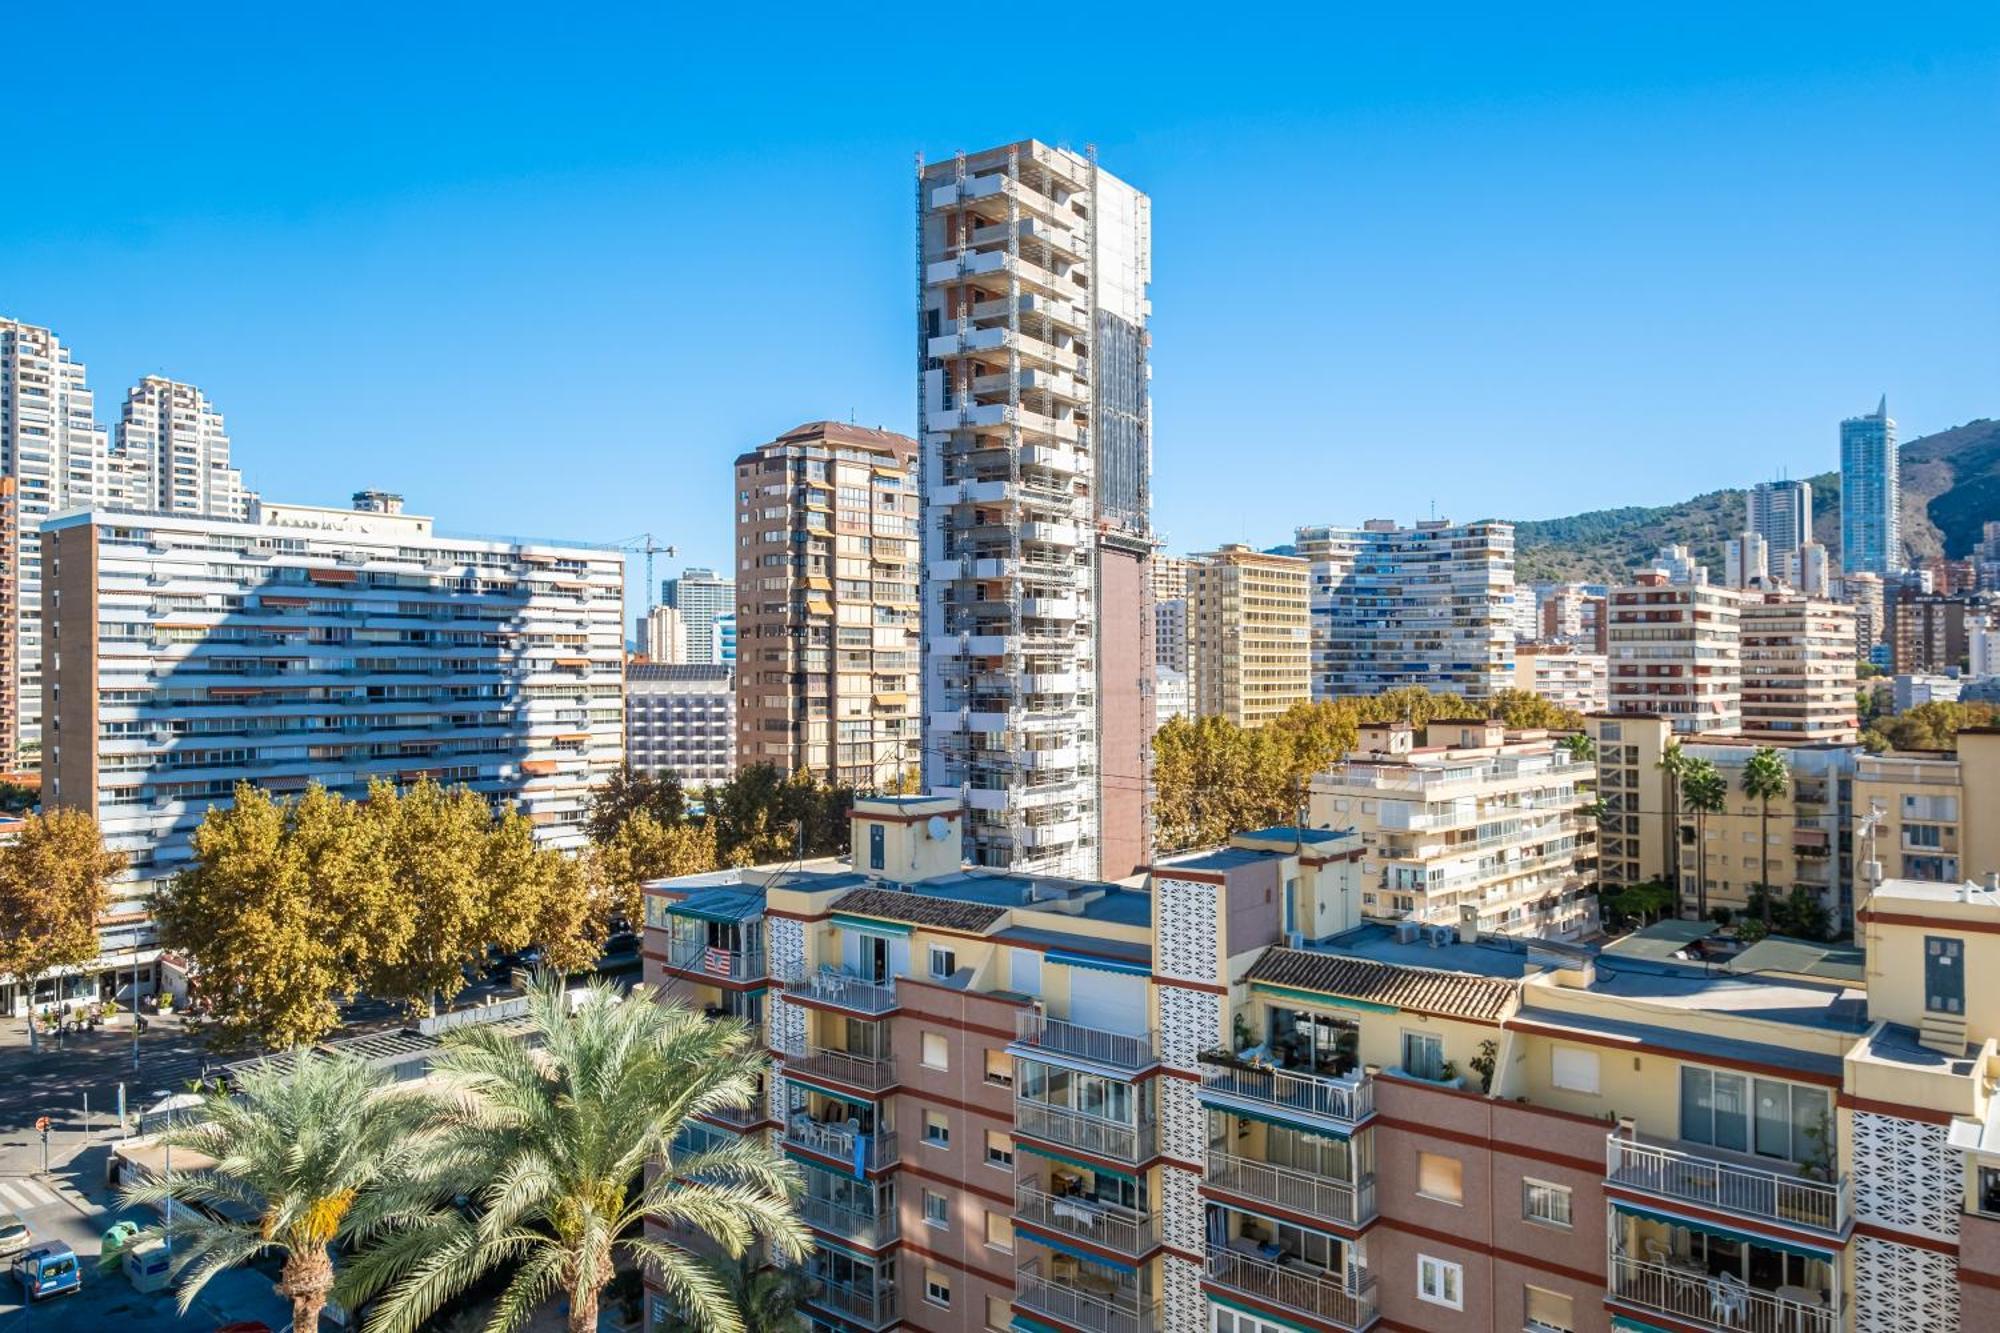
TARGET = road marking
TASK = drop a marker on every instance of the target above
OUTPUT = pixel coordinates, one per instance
(16, 1191)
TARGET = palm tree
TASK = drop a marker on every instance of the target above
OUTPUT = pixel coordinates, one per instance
(1706, 793)
(540, 1161)
(1764, 777)
(768, 1297)
(1674, 764)
(1581, 748)
(290, 1166)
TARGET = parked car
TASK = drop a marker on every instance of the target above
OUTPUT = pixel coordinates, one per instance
(14, 1234)
(47, 1270)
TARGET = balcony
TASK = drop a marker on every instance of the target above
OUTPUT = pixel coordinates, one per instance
(1038, 1032)
(1344, 1101)
(696, 958)
(1347, 1202)
(1086, 1302)
(1310, 1291)
(1117, 1229)
(1780, 1197)
(841, 990)
(875, 1151)
(1715, 1302)
(1113, 1139)
(869, 1073)
(873, 1229)
(871, 1307)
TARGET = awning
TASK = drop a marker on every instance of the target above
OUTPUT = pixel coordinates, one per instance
(1829, 1253)
(1278, 1118)
(1088, 1256)
(1631, 1325)
(1077, 1162)
(721, 906)
(1320, 997)
(869, 925)
(822, 1243)
(1097, 964)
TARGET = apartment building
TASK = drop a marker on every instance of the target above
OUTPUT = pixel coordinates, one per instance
(663, 637)
(1746, 561)
(1564, 674)
(1572, 613)
(175, 453)
(827, 617)
(1250, 624)
(1926, 632)
(1172, 695)
(1799, 673)
(1803, 844)
(681, 720)
(1635, 831)
(1933, 813)
(316, 645)
(1676, 652)
(702, 598)
(1036, 427)
(1171, 633)
(1477, 824)
(1871, 520)
(1781, 513)
(1428, 605)
(10, 619)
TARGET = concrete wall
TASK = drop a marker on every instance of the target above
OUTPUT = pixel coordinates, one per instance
(1126, 709)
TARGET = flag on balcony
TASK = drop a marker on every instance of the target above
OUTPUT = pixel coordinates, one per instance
(715, 962)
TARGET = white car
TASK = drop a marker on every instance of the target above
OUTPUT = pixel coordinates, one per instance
(14, 1234)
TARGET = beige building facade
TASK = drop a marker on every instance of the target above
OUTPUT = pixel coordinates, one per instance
(1250, 629)
(1675, 650)
(1799, 671)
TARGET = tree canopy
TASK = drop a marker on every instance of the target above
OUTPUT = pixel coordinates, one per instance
(1931, 726)
(53, 879)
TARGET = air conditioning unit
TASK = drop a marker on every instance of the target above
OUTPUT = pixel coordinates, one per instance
(1406, 931)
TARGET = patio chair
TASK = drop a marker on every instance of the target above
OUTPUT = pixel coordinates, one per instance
(1728, 1298)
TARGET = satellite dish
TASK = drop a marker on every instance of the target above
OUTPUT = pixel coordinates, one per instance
(939, 826)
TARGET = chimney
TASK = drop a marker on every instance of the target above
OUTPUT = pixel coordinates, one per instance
(378, 502)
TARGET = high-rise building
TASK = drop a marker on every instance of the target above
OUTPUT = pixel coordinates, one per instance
(1798, 668)
(1251, 628)
(1675, 653)
(1564, 672)
(701, 596)
(1809, 570)
(173, 454)
(1170, 611)
(1429, 605)
(1867, 594)
(1982, 644)
(1781, 512)
(1677, 562)
(316, 645)
(1036, 428)
(1926, 632)
(826, 670)
(1871, 495)
(681, 719)
(665, 639)
(1746, 561)
(1986, 557)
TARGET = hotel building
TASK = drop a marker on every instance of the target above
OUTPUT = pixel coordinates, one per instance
(681, 720)
(1250, 624)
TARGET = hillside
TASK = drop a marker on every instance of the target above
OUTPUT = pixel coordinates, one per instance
(1951, 484)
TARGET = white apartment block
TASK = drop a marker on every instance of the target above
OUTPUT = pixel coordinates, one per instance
(317, 645)
(1035, 436)
(1798, 669)
(174, 453)
(1171, 641)
(681, 720)
(665, 639)
(1478, 828)
(1564, 674)
(701, 597)
(1430, 605)
(1676, 653)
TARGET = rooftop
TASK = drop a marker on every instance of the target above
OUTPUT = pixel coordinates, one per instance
(1419, 989)
(692, 672)
(1682, 1039)
(1662, 941)
(1216, 860)
(1492, 956)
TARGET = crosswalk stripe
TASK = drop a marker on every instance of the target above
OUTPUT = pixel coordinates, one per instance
(13, 1200)
(25, 1193)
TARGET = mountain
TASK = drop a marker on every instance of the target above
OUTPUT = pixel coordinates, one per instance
(1951, 484)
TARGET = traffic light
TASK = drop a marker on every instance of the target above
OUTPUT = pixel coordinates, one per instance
(42, 1123)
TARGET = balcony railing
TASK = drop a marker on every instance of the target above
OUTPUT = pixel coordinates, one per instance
(1117, 1049)
(1348, 1100)
(1116, 1229)
(1351, 1202)
(1119, 1309)
(710, 961)
(1772, 1196)
(871, 1307)
(1309, 1291)
(1107, 1138)
(841, 989)
(870, 1073)
(841, 1143)
(1714, 1302)
(857, 1224)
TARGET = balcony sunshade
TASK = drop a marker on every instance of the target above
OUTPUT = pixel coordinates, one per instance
(1634, 1325)
(1088, 1256)
(870, 926)
(1305, 1120)
(1318, 1227)
(726, 908)
(1275, 1322)
(1826, 1254)
(1068, 959)
(1076, 1162)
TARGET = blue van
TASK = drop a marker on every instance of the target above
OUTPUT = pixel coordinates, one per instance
(47, 1270)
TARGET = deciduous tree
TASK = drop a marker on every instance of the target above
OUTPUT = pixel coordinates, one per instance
(644, 849)
(52, 890)
(629, 791)
(436, 858)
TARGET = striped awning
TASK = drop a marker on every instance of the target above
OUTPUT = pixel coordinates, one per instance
(1088, 1256)
(1096, 964)
(870, 926)
(1052, 1155)
(1829, 1253)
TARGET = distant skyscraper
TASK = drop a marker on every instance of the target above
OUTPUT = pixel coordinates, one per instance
(1036, 423)
(173, 454)
(1250, 625)
(700, 595)
(1781, 513)
(665, 637)
(1746, 561)
(1870, 495)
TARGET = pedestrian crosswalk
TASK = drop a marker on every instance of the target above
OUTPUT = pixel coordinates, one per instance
(20, 1195)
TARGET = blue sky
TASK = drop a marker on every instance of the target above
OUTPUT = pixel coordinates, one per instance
(546, 269)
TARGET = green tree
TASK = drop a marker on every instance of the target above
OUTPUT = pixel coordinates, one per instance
(1765, 778)
(1580, 748)
(53, 877)
(290, 1166)
(1673, 762)
(761, 815)
(551, 1140)
(17, 798)
(1705, 792)
(1524, 710)
(628, 792)
(283, 909)
(1931, 726)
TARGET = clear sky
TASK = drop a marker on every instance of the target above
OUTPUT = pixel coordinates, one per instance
(546, 268)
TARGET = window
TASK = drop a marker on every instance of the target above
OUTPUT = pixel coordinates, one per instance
(999, 1314)
(999, 1149)
(1766, 1116)
(877, 857)
(1574, 1070)
(937, 1288)
(937, 1210)
(937, 1052)
(1440, 1177)
(1423, 1055)
(1543, 1202)
(999, 1231)
(943, 962)
(937, 1129)
(999, 1068)
(1440, 1283)
(1548, 1311)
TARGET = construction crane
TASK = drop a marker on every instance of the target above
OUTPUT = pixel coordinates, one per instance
(644, 543)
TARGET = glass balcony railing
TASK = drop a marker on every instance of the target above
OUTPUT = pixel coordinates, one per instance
(871, 1228)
